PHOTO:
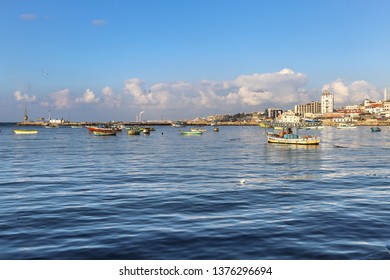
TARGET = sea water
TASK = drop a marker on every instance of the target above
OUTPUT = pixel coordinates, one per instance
(67, 194)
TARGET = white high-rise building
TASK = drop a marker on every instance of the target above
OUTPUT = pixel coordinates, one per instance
(327, 102)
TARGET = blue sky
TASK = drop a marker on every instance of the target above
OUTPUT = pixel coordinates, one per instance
(111, 59)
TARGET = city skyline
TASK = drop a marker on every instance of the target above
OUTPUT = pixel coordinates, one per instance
(111, 60)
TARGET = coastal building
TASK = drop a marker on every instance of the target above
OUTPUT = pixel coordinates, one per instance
(289, 117)
(327, 102)
(313, 107)
(273, 113)
(56, 121)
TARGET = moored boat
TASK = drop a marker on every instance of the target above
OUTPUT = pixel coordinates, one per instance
(287, 137)
(25, 131)
(376, 129)
(52, 125)
(178, 124)
(133, 131)
(183, 132)
(265, 124)
(346, 126)
(105, 132)
(198, 129)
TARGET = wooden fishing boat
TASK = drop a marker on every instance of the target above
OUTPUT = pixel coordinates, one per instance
(133, 131)
(25, 131)
(287, 137)
(102, 128)
(105, 132)
(146, 130)
(376, 129)
(216, 129)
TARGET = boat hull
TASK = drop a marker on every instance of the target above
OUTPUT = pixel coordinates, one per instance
(104, 133)
(190, 132)
(19, 131)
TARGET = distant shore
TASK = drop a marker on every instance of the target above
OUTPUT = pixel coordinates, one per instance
(325, 122)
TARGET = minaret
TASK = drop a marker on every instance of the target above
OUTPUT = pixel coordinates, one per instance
(385, 95)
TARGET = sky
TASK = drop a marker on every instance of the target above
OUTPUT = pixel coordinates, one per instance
(103, 60)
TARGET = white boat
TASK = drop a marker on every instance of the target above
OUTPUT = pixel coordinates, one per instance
(198, 129)
(314, 127)
(346, 126)
(178, 124)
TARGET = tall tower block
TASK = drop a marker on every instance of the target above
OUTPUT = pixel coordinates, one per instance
(327, 102)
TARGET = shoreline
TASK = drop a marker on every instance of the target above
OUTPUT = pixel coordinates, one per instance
(195, 123)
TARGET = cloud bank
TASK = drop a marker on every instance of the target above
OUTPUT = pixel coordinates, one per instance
(353, 93)
(245, 93)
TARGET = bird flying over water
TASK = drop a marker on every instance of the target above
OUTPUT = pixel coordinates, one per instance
(44, 72)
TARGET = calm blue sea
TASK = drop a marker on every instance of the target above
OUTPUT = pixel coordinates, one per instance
(67, 194)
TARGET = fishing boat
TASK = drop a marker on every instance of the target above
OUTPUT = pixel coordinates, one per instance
(216, 129)
(146, 130)
(265, 124)
(76, 126)
(346, 126)
(25, 131)
(198, 129)
(134, 130)
(314, 127)
(183, 132)
(376, 129)
(288, 137)
(105, 132)
(52, 125)
(103, 128)
(178, 124)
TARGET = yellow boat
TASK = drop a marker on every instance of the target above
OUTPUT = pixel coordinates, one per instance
(25, 131)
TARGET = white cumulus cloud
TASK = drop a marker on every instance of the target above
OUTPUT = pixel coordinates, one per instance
(89, 98)
(24, 97)
(110, 99)
(61, 99)
(353, 93)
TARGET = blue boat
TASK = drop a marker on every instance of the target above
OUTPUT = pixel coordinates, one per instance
(376, 129)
